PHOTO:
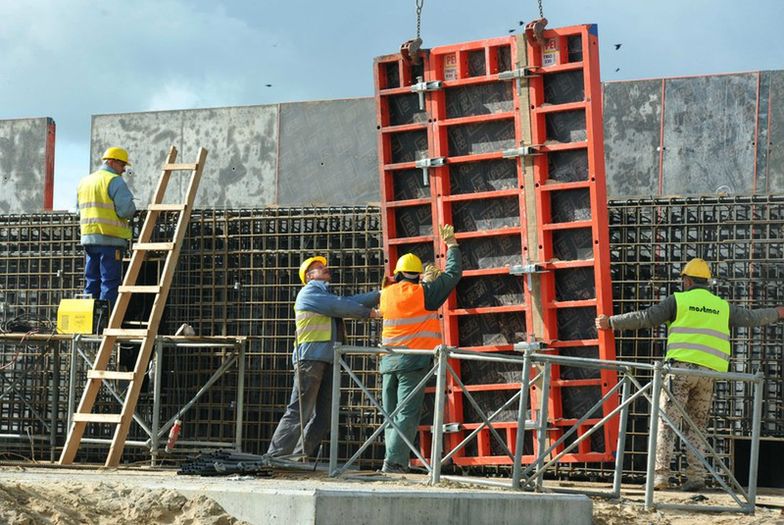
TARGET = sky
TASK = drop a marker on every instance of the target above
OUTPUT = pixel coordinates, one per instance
(71, 59)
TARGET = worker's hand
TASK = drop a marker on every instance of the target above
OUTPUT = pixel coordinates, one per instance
(375, 314)
(603, 322)
(430, 274)
(448, 235)
(780, 310)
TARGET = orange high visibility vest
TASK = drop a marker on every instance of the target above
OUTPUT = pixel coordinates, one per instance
(406, 322)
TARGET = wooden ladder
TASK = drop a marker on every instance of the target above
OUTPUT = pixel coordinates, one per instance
(115, 332)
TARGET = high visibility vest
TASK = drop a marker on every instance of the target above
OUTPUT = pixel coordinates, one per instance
(406, 322)
(700, 333)
(96, 208)
(312, 327)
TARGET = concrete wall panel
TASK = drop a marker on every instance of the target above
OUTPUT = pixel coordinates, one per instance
(328, 153)
(147, 137)
(26, 162)
(632, 120)
(775, 145)
(241, 163)
(241, 144)
(709, 132)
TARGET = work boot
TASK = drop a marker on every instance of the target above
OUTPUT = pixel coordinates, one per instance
(393, 468)
(661, 481)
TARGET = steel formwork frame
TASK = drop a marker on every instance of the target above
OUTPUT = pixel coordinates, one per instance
(488, 136)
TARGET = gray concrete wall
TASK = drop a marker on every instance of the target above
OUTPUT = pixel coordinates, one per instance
(298, 154)
(695, 136)
(26, 164)
(682, 136)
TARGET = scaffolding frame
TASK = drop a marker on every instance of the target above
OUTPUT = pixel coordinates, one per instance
(549, 451)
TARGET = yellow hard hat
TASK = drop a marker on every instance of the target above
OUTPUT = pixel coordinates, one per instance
(116, 153)
(696, 268)
(409, 263)
(303, 268)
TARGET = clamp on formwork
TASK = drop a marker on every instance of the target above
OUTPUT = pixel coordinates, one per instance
(421, 87)
(426, 164)
(523, 151)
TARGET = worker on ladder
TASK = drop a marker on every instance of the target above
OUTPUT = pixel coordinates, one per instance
(409, 308)
(319, 325)
(105, 206)
(698, 338)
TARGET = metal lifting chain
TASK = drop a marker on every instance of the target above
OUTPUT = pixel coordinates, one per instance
(541, 15)
(420, 3)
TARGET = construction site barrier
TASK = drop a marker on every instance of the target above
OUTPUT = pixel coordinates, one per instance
(547, 453)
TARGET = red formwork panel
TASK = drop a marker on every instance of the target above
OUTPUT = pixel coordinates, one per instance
(476, 112)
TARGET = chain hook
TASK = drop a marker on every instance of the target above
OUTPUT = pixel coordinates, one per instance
(410, 48)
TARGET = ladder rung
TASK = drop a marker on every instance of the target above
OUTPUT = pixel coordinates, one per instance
(167, 207)
(179, 167)
(126, 332)
(162, 246)
(110, 374)
(139, 289)
(97, 418)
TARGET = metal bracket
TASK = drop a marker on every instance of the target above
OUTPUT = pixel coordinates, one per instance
(522, 151)
(533, 346)
(426, 164)
(421, 87)
(523, 72)
(449, 428)
(526, 269)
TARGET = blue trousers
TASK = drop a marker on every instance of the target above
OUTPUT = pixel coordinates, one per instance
(102, 272)
(315, 384)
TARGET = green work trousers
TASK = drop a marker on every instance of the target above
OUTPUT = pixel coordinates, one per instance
(395, 388)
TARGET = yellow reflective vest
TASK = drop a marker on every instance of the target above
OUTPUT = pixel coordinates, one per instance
(312, 327)
(96, 208)
(700, 333)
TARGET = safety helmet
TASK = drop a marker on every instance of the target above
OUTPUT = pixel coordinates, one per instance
(115, 153)
(696, 268)
(303, 268)
(409, 263)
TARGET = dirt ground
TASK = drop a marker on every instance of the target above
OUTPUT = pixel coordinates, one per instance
(40, 497)
(103, 503)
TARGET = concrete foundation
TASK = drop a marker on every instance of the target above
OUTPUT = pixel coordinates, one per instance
(321, 501)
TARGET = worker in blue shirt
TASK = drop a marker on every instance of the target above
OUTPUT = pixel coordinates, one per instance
(105, 207)
(319, 325)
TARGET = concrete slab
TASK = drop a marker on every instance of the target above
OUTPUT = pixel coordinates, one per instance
(321, 501)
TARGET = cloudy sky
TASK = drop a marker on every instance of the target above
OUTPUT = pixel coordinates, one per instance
(71, 59)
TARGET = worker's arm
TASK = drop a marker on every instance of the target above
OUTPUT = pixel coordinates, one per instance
(657, 314)
(740, 316)
(369, 299)
(316, 298)
(122, 198)
(436, 292)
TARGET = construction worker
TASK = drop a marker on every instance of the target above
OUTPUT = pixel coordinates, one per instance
(105, 206)
(319, 326)
(698, 339)
(411, 321)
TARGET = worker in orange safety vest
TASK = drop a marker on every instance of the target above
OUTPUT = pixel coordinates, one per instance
(410, 311)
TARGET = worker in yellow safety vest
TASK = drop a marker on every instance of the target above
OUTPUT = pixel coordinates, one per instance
(410, 311)
(318, 317)
(105, 207)
(699, 339)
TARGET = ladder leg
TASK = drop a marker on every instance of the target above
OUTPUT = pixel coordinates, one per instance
(86, 404)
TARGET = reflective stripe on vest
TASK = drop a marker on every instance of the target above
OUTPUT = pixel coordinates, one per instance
(406, 322)
(96, 209)
(700, 333)
(312, 327)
